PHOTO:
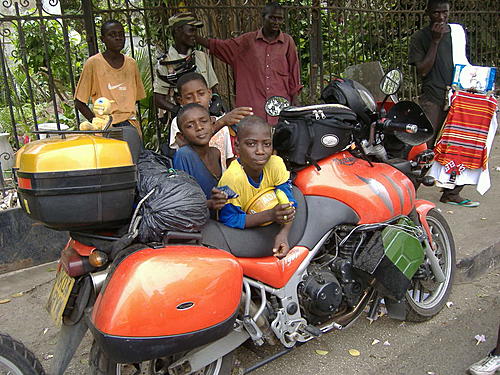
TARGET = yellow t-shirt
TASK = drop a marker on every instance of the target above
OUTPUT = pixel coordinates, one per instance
(123, 85)
(274, 174)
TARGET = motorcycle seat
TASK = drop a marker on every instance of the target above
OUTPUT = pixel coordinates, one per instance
(401, 165)
(254, 242)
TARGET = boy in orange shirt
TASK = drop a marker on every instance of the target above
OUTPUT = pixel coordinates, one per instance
(112, 75)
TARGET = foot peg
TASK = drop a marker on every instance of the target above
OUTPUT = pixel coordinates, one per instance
(313, 330)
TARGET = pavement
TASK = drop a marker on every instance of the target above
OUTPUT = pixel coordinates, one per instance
(475, 230)
(444, 345)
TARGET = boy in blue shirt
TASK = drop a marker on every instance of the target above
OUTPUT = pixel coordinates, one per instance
(197, 158)
(255, 170)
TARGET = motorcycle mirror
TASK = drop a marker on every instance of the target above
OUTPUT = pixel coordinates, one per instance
(391, 82)
(275, 104)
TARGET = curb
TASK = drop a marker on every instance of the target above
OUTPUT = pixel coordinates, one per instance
(26, 279)
(473, 267)
(29, 278)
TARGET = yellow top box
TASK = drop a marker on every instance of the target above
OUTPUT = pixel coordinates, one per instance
(76, 152)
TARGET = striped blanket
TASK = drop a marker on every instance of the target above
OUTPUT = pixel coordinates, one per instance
(463, 139)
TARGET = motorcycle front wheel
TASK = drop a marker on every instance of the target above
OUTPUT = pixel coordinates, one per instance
(426, 297)
(100, 364)
(16, 359)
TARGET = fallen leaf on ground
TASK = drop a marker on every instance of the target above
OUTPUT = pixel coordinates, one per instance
(354, 352)
(375, 342)
(6, 300)
(480, 339)
(449, 304)
(387, 343)
(15, 295)
(321, 352)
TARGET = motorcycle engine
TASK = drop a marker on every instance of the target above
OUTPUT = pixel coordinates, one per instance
(321, 293)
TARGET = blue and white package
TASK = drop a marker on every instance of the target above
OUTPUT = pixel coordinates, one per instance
(474, 78)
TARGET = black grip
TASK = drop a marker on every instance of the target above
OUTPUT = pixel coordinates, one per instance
(389, 125)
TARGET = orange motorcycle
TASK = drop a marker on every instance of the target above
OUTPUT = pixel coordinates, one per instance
(184, 305)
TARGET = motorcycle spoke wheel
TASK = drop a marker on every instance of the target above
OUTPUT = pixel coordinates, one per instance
(426, 297)
(16, 359)
(100, 364)
(217, 367)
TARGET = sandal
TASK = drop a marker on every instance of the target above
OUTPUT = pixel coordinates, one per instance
(464, 203)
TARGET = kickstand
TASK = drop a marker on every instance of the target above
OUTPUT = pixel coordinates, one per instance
(374, 307)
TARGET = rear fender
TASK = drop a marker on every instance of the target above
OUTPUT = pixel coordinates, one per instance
(68, 340)
(423, 207)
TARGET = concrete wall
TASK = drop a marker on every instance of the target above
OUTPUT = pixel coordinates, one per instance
(25, 243)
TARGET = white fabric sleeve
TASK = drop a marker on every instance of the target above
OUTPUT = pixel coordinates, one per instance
(227, 143)
(174, 129)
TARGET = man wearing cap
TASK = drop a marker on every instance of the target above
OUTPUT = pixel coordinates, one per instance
(265, 62)
(181, 58)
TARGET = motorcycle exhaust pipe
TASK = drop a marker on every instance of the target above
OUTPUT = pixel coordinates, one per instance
(98, 279)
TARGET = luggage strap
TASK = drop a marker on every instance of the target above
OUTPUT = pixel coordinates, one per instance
(310, 130)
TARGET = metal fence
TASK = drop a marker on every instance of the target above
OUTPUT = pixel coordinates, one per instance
(44, 43)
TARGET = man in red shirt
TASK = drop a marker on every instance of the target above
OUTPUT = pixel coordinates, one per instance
(265, 62)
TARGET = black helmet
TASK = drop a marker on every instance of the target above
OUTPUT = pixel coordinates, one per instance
(177, 67)
(352, 94)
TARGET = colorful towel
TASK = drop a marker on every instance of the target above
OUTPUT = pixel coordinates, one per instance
(463, 140)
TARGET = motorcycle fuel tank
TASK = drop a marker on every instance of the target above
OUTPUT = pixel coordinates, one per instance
(161, 301)
(376, 192)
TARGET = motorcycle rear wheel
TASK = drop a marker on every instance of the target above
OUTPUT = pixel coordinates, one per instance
(425, 297)
(100, 364)
(16, 359)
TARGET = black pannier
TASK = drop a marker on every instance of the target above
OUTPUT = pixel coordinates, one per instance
(307, 134)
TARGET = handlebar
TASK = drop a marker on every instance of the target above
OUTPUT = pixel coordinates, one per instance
(387, 124)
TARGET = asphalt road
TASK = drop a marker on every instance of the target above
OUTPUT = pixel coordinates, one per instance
(444, 345)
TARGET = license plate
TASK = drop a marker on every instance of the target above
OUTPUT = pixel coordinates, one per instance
(59, 295)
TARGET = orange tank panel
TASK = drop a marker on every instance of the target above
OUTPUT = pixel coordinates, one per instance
(376, 193)
(168, 291)
(412, 155)
(273, 271)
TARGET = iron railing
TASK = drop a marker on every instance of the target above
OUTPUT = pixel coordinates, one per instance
(44, 43)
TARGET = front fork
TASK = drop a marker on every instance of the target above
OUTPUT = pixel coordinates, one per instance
(423, 207)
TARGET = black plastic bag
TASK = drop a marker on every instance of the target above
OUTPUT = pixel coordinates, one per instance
(177, 203)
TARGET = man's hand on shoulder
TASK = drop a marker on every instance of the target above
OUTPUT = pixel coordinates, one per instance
(236, 115)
